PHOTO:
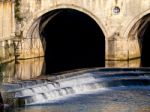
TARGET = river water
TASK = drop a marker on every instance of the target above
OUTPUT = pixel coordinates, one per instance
(93, 90)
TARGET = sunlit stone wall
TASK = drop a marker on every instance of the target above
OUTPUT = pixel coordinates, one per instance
(30, 48)
(7, 30)
(115, 17)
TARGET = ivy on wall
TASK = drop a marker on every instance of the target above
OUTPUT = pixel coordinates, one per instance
(17, 11)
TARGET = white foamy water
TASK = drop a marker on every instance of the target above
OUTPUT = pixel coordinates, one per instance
(85, 83)
(64, 83)
(66, 93)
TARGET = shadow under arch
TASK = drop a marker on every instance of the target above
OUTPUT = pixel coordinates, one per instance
(141, 31)
(72, 40)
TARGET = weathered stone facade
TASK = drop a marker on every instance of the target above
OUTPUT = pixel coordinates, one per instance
(115, 26)
(116, 18)
(7, 30)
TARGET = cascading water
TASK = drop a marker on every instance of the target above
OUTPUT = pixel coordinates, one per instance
(43, 91)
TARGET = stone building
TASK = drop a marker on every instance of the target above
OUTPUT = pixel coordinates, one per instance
(121, 26)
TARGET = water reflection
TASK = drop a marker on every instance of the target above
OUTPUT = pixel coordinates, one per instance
(136, 63)
(27, 69)
(31, 68)
(8, 71)
(22, 69)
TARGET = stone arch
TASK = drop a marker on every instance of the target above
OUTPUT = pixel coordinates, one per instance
(133, 22)
(91, 57)
(140, 33)
(37, 15)
(134, 34)
(139, 27)
(130, 34)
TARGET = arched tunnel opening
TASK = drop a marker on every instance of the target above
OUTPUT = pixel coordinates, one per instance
(141, 31)
(73, 41)
(145, 42)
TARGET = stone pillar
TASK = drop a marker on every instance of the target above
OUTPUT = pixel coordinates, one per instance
(134, 49)
(122, 49)
(116, 48)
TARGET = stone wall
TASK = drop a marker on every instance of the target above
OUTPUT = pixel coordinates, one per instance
(116, 18)
(7, 30)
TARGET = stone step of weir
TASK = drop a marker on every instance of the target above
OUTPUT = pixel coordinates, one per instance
(141, 69)
(49, 86)
(63, 75)
(10, 87)
(22, 84)
(54, 95)
(119, 72)
(101, 74)
(26, 92)
(69, 82)
(120, 75)
(45, 86)
(47, 96)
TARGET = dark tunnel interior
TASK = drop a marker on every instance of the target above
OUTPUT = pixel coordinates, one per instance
(145, 48)
(73, 41)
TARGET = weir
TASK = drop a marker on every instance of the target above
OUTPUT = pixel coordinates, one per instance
(51, 90)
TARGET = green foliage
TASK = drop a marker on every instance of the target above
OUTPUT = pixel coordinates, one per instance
(17, 11)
